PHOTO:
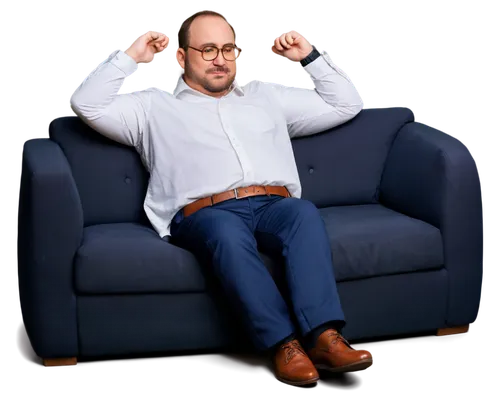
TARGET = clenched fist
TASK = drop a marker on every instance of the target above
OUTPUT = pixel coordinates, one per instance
(146, 46)
(292, 46)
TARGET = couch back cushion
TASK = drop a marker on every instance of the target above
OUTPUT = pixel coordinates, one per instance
(344, 165)
(110, 176)
(340, 166)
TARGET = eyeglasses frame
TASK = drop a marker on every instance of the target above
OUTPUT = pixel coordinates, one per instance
(218, 51)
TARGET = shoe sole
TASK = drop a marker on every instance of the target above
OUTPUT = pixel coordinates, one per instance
(357, 366)
(298, 383)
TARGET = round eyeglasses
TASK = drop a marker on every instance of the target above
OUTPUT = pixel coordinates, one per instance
(209, 53)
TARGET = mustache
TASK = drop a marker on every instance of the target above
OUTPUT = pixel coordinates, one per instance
(221, 69)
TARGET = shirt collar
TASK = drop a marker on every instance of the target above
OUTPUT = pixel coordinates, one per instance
(182, 86)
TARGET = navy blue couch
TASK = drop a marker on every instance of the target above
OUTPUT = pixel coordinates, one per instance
(401, 202)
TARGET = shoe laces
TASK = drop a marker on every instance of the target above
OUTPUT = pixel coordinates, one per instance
(336, 337)
(292, 348)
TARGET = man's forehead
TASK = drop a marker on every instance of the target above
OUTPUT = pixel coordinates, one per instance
(215, 44)
(211, 31)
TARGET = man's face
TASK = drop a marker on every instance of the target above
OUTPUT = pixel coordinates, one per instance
(199, 73)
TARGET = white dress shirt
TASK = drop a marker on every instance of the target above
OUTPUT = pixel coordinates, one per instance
(194, 145)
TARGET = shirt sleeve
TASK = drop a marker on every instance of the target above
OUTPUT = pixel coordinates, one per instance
(120, 117)
(332, 102)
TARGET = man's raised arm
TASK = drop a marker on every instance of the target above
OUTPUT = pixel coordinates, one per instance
(122, 118)
(334, 100)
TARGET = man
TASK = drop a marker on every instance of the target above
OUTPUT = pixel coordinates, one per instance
(223, 179)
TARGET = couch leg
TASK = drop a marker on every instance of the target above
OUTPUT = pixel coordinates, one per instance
(453, 330)
(27, 355)
(55, 362)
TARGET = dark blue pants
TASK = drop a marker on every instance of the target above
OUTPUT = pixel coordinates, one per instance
(228, 233)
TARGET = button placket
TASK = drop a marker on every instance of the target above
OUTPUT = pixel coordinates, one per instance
(240, 152)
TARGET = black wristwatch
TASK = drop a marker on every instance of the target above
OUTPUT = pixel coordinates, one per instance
(313, 55)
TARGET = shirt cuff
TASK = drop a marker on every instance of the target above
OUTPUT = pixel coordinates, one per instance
(123, 61)
(322, 66)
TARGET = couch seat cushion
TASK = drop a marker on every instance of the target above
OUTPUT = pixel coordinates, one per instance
(367, 240)
(132, 258)
(372, 240)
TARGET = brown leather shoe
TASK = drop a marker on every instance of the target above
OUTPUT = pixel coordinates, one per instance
(293, 366)
(333, 352)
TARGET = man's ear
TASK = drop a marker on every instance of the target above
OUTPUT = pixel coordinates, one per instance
(181, 56)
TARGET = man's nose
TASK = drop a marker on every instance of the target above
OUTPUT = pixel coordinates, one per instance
(219, 60)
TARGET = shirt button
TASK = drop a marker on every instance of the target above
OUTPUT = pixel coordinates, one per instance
(311, 170)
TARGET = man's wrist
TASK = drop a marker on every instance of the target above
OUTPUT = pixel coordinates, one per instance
(313, 55)
(132, 55)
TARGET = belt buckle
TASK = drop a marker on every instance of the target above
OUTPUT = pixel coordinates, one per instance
(236, 193)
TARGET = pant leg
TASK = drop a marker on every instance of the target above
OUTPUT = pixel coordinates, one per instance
(294, 227)
(223, 233)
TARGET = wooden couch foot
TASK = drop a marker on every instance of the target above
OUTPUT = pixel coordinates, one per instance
(28, 357)
(453, 330)
(54, 362)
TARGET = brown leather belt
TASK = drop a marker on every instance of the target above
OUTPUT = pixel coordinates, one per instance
(238, 193)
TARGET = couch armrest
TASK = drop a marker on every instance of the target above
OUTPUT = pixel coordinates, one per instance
(50, 230)
(431, 176)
